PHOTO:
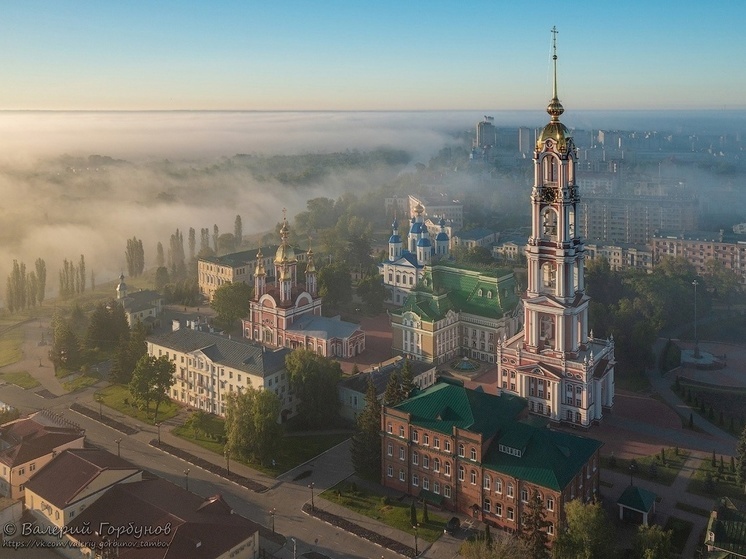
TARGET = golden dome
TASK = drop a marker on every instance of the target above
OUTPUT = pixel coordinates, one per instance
(259, 270)
(310, 266)
(285, 253)
(556, 131)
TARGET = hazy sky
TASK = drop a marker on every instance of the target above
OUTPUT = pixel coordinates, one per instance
(383, 55)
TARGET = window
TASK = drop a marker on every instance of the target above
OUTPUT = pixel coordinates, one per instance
(473, 477)
(401, 475)
(511, 514)
(498, 509)
(498, 486)
(402, 454)
(32, 467)
(436, 488)
(401, 431)
(473, 453)
(389, 428)
(390, 449)
(415, 480)
(447, 469)
(425, 439)
(461, 450)
(426, 462)
(447, 491)
(524, 495)
(436, 442)
(21, 471)
(415, 458)
(425, 484)
(415, 437)
(487, 482)
(550, 503)
(487, 506)
(447, 445)
(510, 490)
(461, 473)
(436, 465)
(550, 529)
(390, 471)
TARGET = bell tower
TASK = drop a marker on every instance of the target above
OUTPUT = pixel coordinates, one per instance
(555, 305)
(563, 372)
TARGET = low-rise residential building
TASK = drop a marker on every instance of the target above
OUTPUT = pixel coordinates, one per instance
(456, 311)
(211, 366)
(352, 389)
(622, 256)
(74, 480)
(236, 267)
(475, 453)
(143, 306)
(479, 237)
(29, 444)
(700, 247)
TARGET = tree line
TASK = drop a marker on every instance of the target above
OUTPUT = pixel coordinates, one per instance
(25, 289)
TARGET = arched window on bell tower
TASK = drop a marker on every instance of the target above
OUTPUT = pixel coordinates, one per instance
(546, 331)
(550, 166)
(549, 275)
(571, 221)
(549, 225)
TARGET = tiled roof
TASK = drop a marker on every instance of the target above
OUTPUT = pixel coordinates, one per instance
(61, 481)
(444, 406)
(323, 327)
(235, 259)
(380, 376)
(235, 353)
(200, 528)
(137, 301)
(26, 439)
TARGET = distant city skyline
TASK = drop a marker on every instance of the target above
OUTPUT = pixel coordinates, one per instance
(333, 55)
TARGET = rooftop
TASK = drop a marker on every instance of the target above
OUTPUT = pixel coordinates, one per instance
(38, 435)
(242, 258)
(323, 327)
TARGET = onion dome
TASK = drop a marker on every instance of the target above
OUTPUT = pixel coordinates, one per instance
(310, 266)
(259, 270)
(424, 242)
(122, 286)
(285, 274)
(442, 236)
(285, 251)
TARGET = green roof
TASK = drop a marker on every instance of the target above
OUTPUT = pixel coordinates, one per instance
(548, 458)
(637, 498)
(485, 292)
(444, 406)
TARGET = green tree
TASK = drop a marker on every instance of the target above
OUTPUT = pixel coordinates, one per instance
(161, 277)
(587, 533)
(160, 256)
(237, 232)
(252, 431)
(392, 395)
(135, 257)
(65, 352)
(197, 422)
(231, 302)
(425, 517)
(741, 461)
(502, 546)
(373, 293)
(335, 285)
(314, 379)
(534, 528)
(407, 384)
(41, 279)
(413, 514)
(652, 542)
(129, 351)
(151, 380)
(366, 442)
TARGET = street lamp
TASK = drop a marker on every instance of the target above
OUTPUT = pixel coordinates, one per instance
(186, 477)
(272, 515)
(416, 549)
(119, 442)
(695, 283)
(310, 486)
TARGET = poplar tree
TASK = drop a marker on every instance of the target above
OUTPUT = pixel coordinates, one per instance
(366, 442)
(741, 461)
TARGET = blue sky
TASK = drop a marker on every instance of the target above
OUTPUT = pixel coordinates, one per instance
(383, 55)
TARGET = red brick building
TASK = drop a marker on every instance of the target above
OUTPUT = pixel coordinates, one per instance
(480, 455)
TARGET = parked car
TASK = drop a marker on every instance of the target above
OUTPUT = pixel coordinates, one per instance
(452, 526)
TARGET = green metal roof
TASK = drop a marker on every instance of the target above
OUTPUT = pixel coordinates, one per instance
(548, 458)
(444, 406)
(637, 498)
(730, 530)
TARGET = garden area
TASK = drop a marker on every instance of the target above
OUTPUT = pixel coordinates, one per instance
(680, 530)
(21, 379)
(10, 346)
(208, 431)
(662, 467)
(723, 407)
(716, 477)
(394, 513)
(118, 397)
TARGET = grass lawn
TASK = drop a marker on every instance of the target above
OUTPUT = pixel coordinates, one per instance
(392, 513)
(118, 397)
(10, 346)
(21, 379)
(293, 450)
(681, 530)
(82, 381)
(723, 484)
(666, 473)
(632, 381)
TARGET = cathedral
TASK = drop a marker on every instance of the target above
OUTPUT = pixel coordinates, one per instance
(408, 256)
(564, 372)
(285, 310)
